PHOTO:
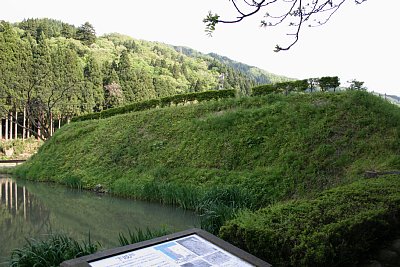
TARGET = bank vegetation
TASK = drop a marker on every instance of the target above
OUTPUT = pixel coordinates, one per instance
(281, 176)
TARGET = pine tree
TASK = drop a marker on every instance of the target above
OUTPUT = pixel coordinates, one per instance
(42, 74)
(86, 34)
(93, 94)
(67, 89)
(6, 63)
(127, 76)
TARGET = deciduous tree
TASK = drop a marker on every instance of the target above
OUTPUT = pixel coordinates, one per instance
(113, 95)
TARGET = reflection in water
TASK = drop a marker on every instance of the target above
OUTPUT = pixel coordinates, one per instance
(33, 209)
(21, 215)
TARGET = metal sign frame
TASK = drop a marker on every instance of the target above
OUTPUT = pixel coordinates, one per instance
(241, 254)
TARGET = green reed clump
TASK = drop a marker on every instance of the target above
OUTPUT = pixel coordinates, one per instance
(215, 206)
(220, 205)
(72, 181)
(51, 252)
(185, 196)
(139, 235)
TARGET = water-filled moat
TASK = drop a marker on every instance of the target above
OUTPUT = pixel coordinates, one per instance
(32, 210)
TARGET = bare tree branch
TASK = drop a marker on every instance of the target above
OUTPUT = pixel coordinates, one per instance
(297, 12)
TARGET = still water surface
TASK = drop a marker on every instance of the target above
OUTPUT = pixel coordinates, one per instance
(29, 209)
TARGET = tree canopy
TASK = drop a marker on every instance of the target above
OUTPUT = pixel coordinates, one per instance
(356, 85)
(50, 69)
(86, 33)
(296, 13)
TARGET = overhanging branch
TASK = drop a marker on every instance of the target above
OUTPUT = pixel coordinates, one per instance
(296, 12)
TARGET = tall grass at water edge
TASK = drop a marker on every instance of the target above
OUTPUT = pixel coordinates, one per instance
(139, 235)
(215, 206)
(51, 252)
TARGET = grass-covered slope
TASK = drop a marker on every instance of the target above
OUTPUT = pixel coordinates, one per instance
(275, 146)
(246, 153)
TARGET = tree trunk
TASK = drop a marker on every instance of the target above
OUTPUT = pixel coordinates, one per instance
(38, 131)
(1, 128)
(6, 132)
(43, 129)
(28, 134)
(16, 125)
(24, 125)
(51, 124)
(59, 121)
(11, 125)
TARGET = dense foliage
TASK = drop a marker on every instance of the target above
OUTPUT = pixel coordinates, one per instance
(52, 71)
(228, 66)
(154, 103)
(223, 157)
(300, 86)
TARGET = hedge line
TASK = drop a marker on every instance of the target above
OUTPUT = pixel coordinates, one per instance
(336, 228)
(153, 103)
(283, 87)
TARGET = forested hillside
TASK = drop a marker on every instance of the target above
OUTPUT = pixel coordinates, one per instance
(52, 71)
(253, 73)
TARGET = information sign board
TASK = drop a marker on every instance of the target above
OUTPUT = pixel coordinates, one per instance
(190, 248)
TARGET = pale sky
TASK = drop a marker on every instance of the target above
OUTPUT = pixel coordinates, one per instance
(360, 42)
